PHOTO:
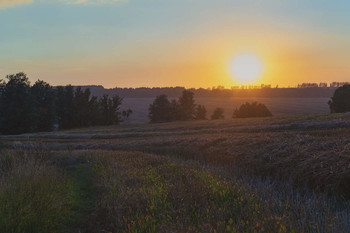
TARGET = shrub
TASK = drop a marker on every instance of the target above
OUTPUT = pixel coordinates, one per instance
(254, 109)
(218, 114)
(340, 102)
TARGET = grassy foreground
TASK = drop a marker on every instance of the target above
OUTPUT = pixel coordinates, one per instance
(269, 175)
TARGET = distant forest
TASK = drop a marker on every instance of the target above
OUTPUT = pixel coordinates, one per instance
(144, 92)
(40, 107)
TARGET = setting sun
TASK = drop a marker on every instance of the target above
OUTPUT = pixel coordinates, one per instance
(246, 68)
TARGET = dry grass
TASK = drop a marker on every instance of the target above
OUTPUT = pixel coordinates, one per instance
(145, 193)
(34, 195)
(251, 175)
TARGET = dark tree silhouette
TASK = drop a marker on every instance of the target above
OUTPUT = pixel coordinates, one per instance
(340, 102)
(116, 102)
(163, 110)
(218, 114)
(16, 105)
(176, 113)
(25, 108)
(160, 110)
(81, 103)
(80, 109)
(106, 114)
(44, 110)
(126, 114)
(187, 105)
(65, 106)
(200, 113)
(254, 109)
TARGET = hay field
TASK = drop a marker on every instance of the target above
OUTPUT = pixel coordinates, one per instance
(279, 174)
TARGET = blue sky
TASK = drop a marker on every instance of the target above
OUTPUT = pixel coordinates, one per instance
(173, 42)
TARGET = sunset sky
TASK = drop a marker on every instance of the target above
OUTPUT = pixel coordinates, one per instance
(134, 43)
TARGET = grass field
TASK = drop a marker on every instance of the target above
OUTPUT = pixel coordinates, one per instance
(280, 174)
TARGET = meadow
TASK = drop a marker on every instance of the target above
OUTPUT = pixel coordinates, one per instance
(279, 174)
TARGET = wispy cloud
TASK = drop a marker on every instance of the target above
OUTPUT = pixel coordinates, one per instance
(91, 1)
(11, 3)
(95, 1)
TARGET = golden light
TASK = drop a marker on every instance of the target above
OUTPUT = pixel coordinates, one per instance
(246, 68)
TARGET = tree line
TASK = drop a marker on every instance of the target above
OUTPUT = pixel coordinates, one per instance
(219, 91)
(40, 107)
(164, 110)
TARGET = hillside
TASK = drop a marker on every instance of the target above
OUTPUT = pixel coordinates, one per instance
(280, 174)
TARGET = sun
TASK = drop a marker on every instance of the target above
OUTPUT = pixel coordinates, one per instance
(246, 68)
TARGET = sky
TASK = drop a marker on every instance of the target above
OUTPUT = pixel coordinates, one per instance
(158, 43)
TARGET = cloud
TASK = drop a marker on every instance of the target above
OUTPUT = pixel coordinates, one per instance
(9, 3)
(92, 1)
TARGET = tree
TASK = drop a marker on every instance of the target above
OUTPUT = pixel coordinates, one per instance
(65, 107)
(126, 114)
(94, 111)
(218, 114)
(81, 103)
(43, 106)
(200, 113)
(340, 102)
(16, 105)
(175, 113)
(254, 109)
(116, 103)
(109, 110)
(2, 86)
(187, 104)
(105, 114)
(160, 110)
(25, 108)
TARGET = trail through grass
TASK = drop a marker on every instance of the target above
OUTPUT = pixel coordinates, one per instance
(277, 175)
(38, 196)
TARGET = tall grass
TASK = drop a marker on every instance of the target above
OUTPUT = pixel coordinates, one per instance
(34, 195)
(145, 193)
(287, 175)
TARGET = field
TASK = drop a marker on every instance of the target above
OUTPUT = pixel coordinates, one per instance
(279, 174)
(278, 106)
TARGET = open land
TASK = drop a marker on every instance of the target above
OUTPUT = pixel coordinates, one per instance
(279, 174)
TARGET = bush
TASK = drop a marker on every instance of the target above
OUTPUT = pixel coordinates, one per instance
(340, 102)
(254, 109)
(218, 114)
